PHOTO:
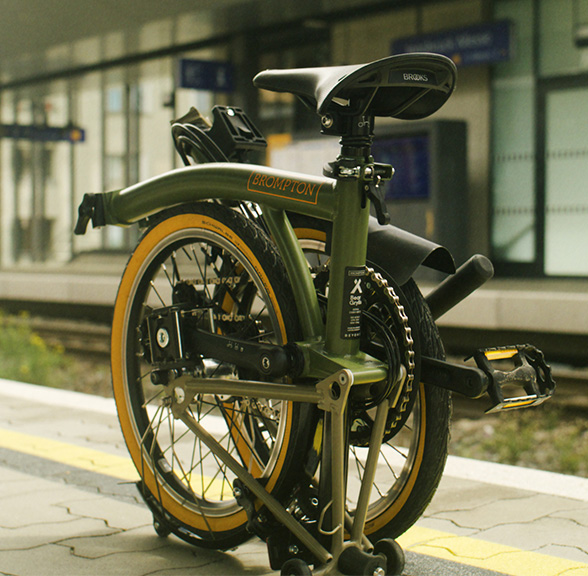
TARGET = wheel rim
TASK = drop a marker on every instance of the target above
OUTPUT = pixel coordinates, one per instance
(178, 469)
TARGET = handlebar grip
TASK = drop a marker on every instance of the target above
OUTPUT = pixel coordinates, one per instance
(467, 278)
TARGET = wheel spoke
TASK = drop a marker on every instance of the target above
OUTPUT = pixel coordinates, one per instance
(176, 272)
(164, 268)
(152, 284)
(390, 467)
(202, 273)
(397, 450)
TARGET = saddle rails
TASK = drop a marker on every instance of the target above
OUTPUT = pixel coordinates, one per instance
(248, 396)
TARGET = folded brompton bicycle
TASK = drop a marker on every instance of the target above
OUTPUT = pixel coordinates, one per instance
(276, 370)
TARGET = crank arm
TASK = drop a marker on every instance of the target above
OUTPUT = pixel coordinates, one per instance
(466, 380)
(267, 359)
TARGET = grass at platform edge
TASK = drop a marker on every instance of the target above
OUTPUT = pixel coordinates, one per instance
(27, 357)
(547, 437)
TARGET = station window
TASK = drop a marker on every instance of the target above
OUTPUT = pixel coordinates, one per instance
(539, 142)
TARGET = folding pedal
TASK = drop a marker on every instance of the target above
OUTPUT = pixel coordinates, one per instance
(527, 370)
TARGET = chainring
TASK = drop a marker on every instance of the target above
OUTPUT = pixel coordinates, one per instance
(389, 332)
(396, 326)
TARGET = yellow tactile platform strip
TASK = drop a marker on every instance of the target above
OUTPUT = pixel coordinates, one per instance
(421, 540)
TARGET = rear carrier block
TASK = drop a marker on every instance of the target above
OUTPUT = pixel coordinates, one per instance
(512, 368)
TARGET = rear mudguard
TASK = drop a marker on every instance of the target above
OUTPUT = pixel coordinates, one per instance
(397, 251)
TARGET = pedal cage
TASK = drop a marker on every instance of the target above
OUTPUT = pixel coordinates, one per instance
(530, 372)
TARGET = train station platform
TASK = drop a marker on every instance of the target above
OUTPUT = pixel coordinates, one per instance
(68, 506)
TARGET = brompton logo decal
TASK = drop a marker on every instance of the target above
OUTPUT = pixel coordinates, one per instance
(284, 187)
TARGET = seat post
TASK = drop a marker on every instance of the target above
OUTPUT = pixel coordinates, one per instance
(349, 240)
(355, 147)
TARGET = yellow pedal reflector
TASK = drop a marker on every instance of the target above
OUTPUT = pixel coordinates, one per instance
(500, 354)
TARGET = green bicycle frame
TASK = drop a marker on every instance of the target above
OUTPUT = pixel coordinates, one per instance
(277, 192)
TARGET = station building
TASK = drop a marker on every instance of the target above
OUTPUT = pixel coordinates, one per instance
(87, 92)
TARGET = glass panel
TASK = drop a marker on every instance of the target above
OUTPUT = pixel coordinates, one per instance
(54, 218)
(156, 110)
(513, 230)
(513, 143)
(23, 187)
(126, 115)
(36, 205)
(118, 145)
(8, 181)
(566, 174)
(36, 218)
(559, 20)
(520, 13)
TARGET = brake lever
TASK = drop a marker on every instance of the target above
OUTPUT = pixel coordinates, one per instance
(373, 192)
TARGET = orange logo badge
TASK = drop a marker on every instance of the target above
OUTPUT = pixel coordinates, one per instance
(284, 187)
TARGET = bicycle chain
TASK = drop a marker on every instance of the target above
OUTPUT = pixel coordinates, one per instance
(410, 355)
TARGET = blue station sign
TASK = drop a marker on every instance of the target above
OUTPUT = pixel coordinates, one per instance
(41, 133)
(471, 46)
(206, 75)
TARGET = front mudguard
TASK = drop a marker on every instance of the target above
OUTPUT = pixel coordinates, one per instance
(400, 253)
(392, 249)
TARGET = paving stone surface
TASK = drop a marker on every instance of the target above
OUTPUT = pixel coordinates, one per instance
(56, 518)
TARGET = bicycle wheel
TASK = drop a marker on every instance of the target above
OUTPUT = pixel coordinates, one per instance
(413, 455)
(215, 267)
